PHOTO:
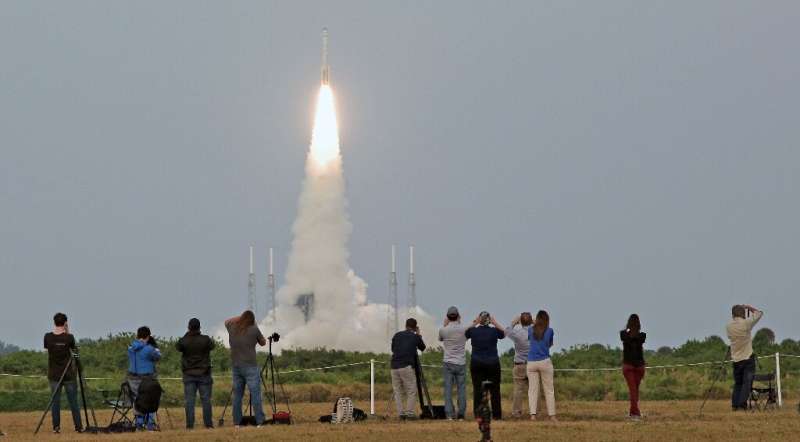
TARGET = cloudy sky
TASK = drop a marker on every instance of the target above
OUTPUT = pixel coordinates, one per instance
(590, 158)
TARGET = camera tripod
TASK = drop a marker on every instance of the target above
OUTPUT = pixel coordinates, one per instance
(74, 361)
(267, 371)
(717, 376)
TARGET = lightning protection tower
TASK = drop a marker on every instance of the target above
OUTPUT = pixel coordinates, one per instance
(251, 286)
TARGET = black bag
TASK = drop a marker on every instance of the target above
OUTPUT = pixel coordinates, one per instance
(148, 397)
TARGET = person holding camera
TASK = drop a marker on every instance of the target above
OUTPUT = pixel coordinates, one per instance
(243, 336)
(195, 351)
(143, 353)
(744, 318)
(633, 361)
(404, 358)
(454, 368)
(519, 336)
(485, 362)
(540, 366)
(59, 345)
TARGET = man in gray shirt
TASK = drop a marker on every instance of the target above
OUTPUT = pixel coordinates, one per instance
(454, 370)
(517, 331)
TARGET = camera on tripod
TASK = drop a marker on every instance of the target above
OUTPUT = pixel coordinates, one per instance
(274, 337)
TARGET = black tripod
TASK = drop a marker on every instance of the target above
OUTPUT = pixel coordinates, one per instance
(717, 376)
(267, 370)
(422, 391)
(74, 361)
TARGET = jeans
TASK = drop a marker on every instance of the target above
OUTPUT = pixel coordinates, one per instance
(743, 372)
(142, 420)
(250, 376)
(453, 373)
(404, 384)
(541, 370)
(71, 387)
(191, 385)
(480, 372)
(633, 377)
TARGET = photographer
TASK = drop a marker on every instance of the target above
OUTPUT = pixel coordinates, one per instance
(142, 356)
(243, 335)
(454, 368)
(195, 351)
(485, 362)
(744, 361)
(60, 344)
(404, 380)
(519, 336)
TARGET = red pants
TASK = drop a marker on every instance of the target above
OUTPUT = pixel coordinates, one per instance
(633, 377)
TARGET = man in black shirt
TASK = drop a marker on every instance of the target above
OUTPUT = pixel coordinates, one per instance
(404, 381)
(196, 366)
(60, 344)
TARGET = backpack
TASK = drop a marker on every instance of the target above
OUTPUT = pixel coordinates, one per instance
(344, 412)
(148, 398)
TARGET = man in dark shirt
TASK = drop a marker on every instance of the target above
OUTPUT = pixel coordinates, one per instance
(404, 381)
(485, 362)
(60, 344)
(196, 365)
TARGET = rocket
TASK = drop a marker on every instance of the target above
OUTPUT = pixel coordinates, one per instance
(326, 70)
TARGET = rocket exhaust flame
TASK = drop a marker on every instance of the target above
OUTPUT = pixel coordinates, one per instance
(325, 135)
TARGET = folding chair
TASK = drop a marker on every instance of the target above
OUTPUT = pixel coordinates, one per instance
(763, 393)
(122, 406)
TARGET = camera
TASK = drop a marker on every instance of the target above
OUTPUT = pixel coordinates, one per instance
(274, 337)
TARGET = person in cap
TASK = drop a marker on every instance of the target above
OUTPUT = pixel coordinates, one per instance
(454, 366)
(485, 362)
(195, 351)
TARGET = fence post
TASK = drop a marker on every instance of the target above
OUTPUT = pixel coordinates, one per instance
(372, 387)
(778, 377)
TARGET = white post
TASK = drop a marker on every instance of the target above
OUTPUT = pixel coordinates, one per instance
(372, 387)
(778, 377)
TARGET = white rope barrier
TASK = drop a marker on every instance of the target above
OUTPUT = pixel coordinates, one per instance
(302, 370)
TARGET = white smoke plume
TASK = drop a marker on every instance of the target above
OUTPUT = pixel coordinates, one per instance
(342, 318)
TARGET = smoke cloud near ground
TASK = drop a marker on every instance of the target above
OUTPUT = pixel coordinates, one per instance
(342, 317)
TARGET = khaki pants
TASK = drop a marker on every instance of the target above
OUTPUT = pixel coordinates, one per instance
(520, 375)
(541, 370)
(404, 384)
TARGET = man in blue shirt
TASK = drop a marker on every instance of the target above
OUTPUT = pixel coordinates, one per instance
(485, 362)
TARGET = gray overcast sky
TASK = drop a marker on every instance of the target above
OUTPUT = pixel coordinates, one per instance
(590, 158)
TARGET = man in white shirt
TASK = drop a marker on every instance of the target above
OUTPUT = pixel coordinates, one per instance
(744, 362)
(519, 336)
(454, 368)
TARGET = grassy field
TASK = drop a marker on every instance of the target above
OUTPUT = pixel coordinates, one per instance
(579, 421)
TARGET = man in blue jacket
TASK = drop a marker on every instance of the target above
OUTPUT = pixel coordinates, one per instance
(142, 356)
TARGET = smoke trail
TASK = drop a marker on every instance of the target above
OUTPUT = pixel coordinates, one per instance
(318, 263)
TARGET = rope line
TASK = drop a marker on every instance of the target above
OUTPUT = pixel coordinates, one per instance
(301, 370)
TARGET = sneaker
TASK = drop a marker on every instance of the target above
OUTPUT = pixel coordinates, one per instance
(533, 417)
(635, 418)
(460, 417)
(450, 418)
(57, 430)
